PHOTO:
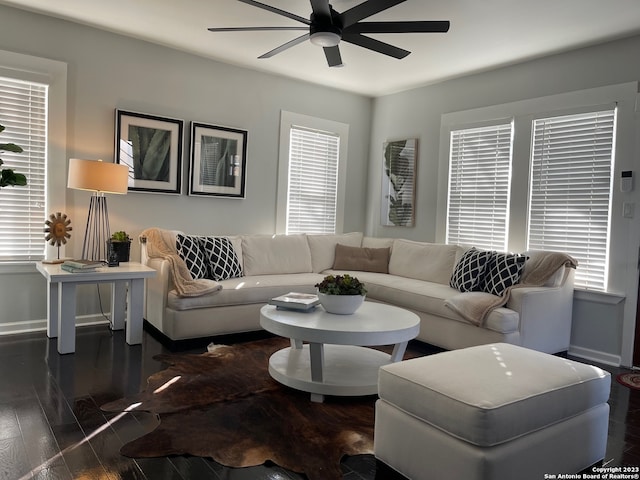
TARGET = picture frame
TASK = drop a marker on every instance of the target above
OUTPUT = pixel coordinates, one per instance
(397, 202)
(218, 161)
(152, 147)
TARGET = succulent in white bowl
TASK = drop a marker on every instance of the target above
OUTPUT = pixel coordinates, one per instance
(341, 294)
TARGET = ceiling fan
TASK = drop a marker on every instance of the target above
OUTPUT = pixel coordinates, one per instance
(327, 28)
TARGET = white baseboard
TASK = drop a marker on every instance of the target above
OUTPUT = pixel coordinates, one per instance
(30, 326)
(595, 356)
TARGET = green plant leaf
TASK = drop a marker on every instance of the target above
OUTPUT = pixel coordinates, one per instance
(10, 147)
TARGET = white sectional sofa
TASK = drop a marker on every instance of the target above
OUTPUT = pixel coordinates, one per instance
(412, 275)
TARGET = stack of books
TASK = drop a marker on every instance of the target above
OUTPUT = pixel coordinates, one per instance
(81, 266)
(296, 301)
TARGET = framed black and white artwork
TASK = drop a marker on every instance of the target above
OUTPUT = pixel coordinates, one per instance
(397, 208)
(218, 161)
(152, 148)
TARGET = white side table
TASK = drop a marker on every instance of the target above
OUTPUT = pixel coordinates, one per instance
(61, 300)
(335, 361)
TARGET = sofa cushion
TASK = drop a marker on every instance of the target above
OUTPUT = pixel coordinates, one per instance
(427, 297)
(323, 248)
(431, 262)
(377, 242)
(248, 290)
(469, 270)
(188, 247)
(222, 262)
(275, 254)
(362, 259)
(503, 271)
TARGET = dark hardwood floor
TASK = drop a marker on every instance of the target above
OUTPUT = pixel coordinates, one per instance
(51, 426)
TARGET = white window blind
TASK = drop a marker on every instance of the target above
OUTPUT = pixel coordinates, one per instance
(313, 181)
(479, 183)
(23, 112)
(572, 158)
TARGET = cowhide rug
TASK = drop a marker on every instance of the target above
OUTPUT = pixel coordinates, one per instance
(224, 405)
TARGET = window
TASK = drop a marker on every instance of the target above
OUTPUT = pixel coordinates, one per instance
(538, 179)
(570, 200)
(311, 179)
(23, 112)
(479, 185)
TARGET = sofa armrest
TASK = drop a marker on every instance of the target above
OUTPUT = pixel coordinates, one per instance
(156, 291)
(545, 315)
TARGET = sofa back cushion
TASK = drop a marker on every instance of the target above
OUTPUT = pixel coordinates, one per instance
(323, 248)
(377, 242)
(275, 254)
(431, 262)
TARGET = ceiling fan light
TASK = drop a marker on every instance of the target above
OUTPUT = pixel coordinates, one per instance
(325, 39)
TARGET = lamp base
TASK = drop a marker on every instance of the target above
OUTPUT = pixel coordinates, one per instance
(97, 231)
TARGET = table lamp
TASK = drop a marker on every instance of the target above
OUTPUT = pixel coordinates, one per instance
(98, 177)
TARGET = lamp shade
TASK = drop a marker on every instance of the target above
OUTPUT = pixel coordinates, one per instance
(98, 176)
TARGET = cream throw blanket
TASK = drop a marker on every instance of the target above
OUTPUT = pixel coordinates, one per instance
(161, 244)
(540, 267)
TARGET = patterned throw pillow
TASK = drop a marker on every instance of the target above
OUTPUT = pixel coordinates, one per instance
(470, 270)
(221, 258)
(189, 250)
(503, 271)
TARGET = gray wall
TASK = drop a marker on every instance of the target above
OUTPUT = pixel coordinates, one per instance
(603, 324)
(108, 71)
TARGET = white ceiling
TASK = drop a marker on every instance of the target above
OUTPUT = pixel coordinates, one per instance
(484, 34)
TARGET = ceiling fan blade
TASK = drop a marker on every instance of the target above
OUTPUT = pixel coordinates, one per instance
(285, 46)
(375, 45)
(321, 8)
(333, 56)
(284, 13)
(434, 26)
(253, 29)
(366, 9)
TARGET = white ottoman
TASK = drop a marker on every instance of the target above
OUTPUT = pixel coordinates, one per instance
(491, 412)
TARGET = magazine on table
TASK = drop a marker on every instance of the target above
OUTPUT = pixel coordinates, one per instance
(76, 266)
(296, 301)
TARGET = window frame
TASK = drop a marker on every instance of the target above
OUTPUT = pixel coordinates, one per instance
(524, 112)
(54, 74)
(288, 120)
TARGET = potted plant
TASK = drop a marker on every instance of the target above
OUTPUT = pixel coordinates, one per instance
(341, 294)
(118, 248)
(7, 176)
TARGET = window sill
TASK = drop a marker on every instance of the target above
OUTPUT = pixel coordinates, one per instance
(8, 268)
(606, 298)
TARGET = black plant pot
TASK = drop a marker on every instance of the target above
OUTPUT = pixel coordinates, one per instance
(118, 252)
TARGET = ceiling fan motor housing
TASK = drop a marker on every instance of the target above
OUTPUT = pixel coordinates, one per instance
(325, 32)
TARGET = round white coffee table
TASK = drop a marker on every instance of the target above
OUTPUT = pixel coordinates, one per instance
(335, 360)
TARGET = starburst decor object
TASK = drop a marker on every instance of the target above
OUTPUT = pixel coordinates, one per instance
(57, 230)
